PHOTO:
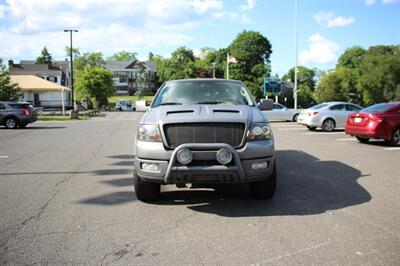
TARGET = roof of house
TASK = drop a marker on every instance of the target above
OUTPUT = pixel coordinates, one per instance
(114, 65)
(151, 65)
(33, 83)
(35, 69)
(31, 62)
(117, 65)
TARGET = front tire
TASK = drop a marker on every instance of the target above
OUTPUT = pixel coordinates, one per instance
(264, 189)
(362, 140)
(294, 119)
(328, 125)
(10, 123)
(395, 141)
(145, 191)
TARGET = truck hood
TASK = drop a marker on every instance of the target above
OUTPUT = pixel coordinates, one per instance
(203, 113)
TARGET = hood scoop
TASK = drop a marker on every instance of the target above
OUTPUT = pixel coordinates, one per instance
(179, 112)
(226, 111)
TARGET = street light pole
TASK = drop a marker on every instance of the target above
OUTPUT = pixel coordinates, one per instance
(295, 45)
(72, 68)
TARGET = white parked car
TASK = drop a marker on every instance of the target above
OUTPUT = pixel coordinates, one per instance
(327, 116)
(281, 112)
(124, 105)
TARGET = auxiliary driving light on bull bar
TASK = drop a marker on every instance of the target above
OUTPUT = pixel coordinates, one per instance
(259, 165)
(153, 167)
(184, 156)
(224, 156)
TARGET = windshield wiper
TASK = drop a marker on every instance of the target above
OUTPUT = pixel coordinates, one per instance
(210, 102)
(170, 103)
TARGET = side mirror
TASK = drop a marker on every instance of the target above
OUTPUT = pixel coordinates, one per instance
(266, 105)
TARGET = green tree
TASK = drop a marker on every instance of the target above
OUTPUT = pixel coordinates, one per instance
(44, 57)
(123, 56)
(75, 52)
(95, 83)
(181, 65)
(219, 58)
(252, 51)
(364, 76)
(142, 79)
(352, 57)
(380, 76)
(8, 91)
(330, 88)
(306, 79)
(88, 60)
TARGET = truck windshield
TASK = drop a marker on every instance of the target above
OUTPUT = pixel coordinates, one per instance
(203, 92)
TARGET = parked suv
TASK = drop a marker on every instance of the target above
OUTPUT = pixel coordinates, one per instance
(13, 114)
(204, 131)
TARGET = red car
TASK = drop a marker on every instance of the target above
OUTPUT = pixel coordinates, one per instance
(379, 121)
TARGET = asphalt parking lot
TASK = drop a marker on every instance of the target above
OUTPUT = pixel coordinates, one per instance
(66, 197)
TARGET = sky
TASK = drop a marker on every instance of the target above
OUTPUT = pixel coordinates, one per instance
(325, 28)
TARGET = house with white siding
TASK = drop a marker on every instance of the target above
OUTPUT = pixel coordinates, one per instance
(42, 93)
(129, 76)
(57, 72)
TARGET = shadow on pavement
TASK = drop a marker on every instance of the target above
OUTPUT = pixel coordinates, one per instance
(124, 163)
(121, 182)
(122, 157)
(96, 172)
(115, 198)
(306, 186)
(379, 143)
(112, 172)
(33, 127)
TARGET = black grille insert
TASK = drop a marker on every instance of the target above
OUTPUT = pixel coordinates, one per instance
(230, 133)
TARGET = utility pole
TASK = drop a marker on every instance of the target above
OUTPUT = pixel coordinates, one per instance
(295, 45)
(213, 67)
(72, 67)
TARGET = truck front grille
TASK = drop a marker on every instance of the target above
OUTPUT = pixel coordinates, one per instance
(229, 133)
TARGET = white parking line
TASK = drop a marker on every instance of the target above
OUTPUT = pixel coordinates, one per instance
(290, 129)
(283, 125)
(392, 149)
(3, 156)
(345, 139)
(323, 133)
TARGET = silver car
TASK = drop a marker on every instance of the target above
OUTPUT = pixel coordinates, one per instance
(281, 112)
(204, 131)
(327, 116)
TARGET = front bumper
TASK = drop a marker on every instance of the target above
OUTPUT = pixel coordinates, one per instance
(240, 170)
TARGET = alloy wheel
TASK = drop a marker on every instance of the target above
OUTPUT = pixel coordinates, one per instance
(11, 123)
(396, 137)
(328, 125)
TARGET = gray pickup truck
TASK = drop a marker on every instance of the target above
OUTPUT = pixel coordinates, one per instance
(204, 131)
(16, 114)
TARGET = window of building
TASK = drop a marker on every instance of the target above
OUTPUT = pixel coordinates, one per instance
(121, 77)
(52, 79)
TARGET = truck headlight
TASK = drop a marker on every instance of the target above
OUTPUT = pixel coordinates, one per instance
(149, 133)
(260, 131)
